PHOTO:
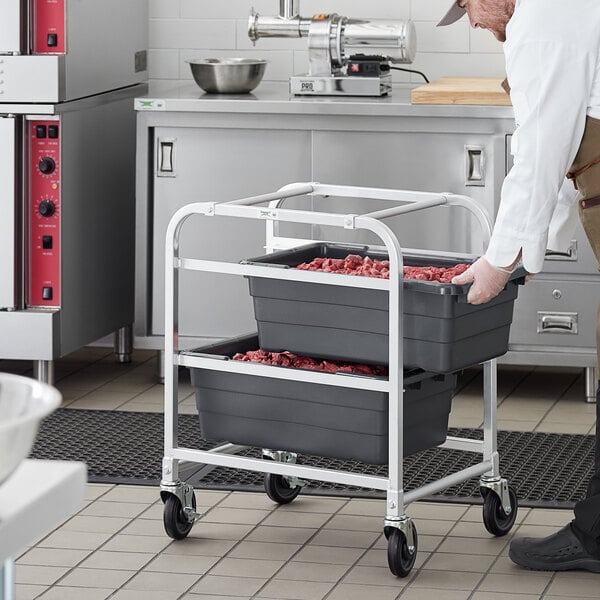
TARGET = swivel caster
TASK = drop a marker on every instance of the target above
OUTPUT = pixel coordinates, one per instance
(279, 489)
(495, 519)
(177, 523)
(401, 556)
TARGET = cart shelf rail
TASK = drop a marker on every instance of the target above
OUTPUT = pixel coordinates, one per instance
(397, 525)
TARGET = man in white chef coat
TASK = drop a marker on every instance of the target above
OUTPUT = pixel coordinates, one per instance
(552, 51)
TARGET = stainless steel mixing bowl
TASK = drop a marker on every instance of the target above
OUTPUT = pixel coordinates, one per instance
(228, 75)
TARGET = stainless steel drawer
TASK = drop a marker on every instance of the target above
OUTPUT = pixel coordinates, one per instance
(579, 259)
(556, 313)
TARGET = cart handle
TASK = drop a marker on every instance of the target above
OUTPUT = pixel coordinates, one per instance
(413, 200)
(293, 189)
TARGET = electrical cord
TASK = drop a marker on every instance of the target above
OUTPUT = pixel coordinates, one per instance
(411, 71)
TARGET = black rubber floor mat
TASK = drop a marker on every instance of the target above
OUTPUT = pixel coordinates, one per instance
(546, 469)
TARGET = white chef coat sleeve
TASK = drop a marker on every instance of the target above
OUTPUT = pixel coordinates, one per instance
(550, 87)
(565, 217)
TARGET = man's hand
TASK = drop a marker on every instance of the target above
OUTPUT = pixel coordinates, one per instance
(488, 281)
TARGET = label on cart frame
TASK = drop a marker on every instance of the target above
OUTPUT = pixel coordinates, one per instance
(49, 28)
(266, 213)
(44, 209)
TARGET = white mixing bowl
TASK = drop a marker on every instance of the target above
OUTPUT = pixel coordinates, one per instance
(24, 402)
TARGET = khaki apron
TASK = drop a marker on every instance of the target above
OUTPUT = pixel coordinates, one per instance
(585, 173)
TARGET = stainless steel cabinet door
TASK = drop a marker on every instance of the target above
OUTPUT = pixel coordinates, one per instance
(421, 161)
(204, 164)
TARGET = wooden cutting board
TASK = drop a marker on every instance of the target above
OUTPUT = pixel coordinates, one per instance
(462, 90)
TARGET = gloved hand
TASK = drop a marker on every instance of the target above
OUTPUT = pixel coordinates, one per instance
(488, 281)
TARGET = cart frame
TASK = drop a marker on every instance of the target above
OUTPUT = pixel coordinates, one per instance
(250, 207)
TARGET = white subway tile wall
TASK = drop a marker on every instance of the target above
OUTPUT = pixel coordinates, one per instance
(184, 29)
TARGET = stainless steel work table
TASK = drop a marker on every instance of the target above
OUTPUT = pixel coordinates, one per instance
(274, 98)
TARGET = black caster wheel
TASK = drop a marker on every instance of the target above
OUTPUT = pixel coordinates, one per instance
(496, 521)
(175, 521)
(400, 559)
(279, 490)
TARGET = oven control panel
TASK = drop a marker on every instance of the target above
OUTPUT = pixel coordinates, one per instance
(49, 27)
(44, 212)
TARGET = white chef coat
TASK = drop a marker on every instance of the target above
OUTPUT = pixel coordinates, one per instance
(552, 52)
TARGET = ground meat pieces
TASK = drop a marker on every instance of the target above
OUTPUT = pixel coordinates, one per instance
(288, 359)
(368, 267)
(440, 274)
(351, 265)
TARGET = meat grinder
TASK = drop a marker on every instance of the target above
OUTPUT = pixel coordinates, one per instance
(347, 57)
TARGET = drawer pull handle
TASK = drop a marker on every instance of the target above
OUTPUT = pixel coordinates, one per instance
(569, 255)
(557, 322)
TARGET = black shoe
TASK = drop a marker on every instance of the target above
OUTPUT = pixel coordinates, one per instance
(561, 551)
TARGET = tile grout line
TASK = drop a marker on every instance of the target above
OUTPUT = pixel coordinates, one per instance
(488, 571)
(444, 537)
(306, 542)
(548, 586)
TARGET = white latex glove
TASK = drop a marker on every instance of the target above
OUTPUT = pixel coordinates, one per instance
(488, 281)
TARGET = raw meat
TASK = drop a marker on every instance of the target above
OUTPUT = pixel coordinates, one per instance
(368, 267)
(288, 359)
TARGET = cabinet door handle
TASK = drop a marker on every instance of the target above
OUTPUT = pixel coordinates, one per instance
(570, 254)
(557, 322)
(166, 157)
(475, 165)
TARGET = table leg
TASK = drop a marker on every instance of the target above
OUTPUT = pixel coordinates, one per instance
(7, 580)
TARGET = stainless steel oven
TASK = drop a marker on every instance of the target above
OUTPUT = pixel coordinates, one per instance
(69, 72)
(57, 50)
(66, 232)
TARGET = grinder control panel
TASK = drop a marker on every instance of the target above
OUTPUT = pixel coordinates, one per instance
(44, 213)
(363, 65)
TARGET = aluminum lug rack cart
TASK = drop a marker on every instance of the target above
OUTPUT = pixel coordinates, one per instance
(284, 477)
